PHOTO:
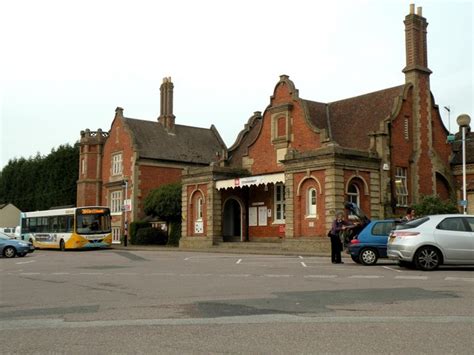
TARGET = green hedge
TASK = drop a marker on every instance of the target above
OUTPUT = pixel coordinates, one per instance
(174, 234)
(134, 227)
(151, 235)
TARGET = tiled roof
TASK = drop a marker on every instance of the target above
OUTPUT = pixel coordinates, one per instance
(350, 120)
(184, 144)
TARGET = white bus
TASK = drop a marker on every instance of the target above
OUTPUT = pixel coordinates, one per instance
(68, 228)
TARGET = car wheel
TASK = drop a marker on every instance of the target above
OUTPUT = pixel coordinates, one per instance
(9, 252)
(355, 259)
(21, 254)
(368, 257)
(62, 246)
(427, 258)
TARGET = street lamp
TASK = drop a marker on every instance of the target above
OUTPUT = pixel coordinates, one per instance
(463, 121)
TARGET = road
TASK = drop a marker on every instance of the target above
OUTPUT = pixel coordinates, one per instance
(125, 302)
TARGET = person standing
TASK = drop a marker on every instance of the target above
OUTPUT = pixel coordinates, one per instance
(338, 225)
(411, 215)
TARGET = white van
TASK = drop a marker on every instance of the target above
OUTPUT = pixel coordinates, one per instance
(12, 232)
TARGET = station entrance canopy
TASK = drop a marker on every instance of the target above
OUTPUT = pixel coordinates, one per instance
(250, 180)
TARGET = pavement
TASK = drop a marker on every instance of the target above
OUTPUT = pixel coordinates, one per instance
(228, 248)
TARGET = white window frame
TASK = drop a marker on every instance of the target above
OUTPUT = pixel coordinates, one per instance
(279, 204)
(116, 234)
(311, 203)
(116, 202)
(353, 195)
(401, 186)
(199, 204)
(117, 164)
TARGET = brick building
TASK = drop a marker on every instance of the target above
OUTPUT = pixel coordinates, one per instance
(136, 156)
(295, 164)
(457, 167)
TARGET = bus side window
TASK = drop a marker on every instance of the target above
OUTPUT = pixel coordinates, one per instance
(69, 224)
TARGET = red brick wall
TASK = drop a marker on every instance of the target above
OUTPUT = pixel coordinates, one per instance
(302, 223)
(263, 152)
(193, 195)
(152, 177)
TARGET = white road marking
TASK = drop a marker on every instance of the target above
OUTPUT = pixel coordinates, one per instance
(304, 265)
(365, 277)
(320, 276)
(60, 273)
(238, 261)
(125, 273)
(30, 273)
(91, 273)
(412, 277)
(459, 279)
(389, 268)
(276, 275)
(300, 257)
(26, 262)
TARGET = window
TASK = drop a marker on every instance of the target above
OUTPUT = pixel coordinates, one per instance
(116, 234)
(453, 224)
(117, 164)
(279, 203)
(383, 228)
(199, 209)
(116, 202)
(401, 186)
(311, 203)
(353, 194)
(83, 166)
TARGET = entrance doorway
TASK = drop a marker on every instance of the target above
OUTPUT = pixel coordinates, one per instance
(232, 221)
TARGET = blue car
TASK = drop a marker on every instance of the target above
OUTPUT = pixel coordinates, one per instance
(9, 248)
(371, 243)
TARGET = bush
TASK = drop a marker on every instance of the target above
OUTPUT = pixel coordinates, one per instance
(134, 227)
(151, 235)
(174, 233)
(434, 205)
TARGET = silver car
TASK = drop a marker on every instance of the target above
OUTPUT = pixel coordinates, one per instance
(428, 242)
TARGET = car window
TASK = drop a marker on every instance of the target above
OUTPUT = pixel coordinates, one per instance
(383, 228)
(452, 224)
(470, 221)
(412, 224)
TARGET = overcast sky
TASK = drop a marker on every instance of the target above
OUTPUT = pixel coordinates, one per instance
(66, 65)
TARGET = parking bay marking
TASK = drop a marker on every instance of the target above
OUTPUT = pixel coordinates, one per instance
(412, 277)
(26, 262)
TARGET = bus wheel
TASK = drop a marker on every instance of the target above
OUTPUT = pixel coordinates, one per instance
(62, 246)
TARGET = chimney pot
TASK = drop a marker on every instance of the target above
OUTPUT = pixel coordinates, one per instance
(419, 11)
(412, 9)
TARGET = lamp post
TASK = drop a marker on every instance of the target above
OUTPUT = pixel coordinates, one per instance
(463, 121)
(125, 223)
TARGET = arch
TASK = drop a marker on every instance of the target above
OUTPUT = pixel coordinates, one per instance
(357, 177)
(298, 189)
(232, 219)
(443, 188)
(191, 195)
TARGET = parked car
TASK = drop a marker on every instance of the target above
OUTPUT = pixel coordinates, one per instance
(431, 241)
(11, 247)
(371, 243)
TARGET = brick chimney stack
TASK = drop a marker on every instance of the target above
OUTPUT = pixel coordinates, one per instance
(166, 104)
(415, 43)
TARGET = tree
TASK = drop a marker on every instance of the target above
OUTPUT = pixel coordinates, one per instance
(41, 182)
(434, 205)
(165, 203)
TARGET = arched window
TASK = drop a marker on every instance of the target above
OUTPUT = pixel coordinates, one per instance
(353, 194)
(311, 203)
(199, 209)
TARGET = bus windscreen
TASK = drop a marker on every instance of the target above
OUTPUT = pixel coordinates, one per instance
(93, 221)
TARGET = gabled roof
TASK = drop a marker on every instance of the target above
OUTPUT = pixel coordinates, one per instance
(348, 121)
(183, 144)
